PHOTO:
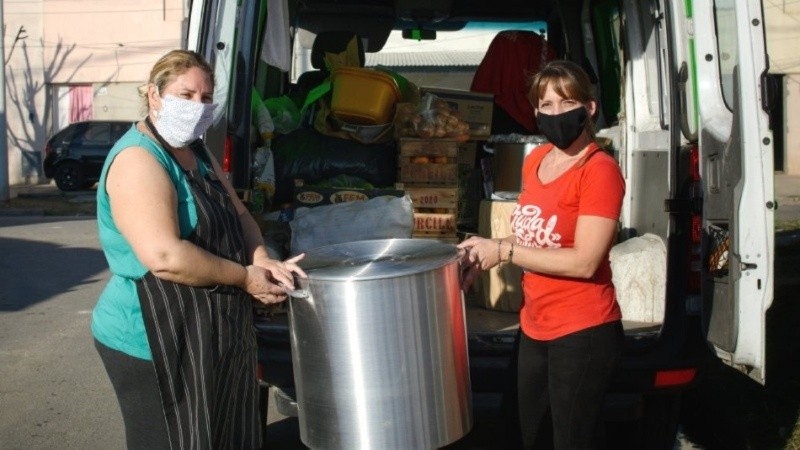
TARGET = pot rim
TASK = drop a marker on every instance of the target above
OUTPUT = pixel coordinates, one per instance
(376, 259)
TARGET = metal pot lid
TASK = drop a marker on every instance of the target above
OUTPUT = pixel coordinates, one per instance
(375, 259)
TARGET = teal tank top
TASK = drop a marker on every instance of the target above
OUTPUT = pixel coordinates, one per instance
(117, 317)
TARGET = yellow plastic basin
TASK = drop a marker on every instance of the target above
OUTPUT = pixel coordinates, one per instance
(363, 96)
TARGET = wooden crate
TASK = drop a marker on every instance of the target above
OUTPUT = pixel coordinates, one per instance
(417, 171)
(427, 224)
(432, 197)
(428, 161)
(428, 147)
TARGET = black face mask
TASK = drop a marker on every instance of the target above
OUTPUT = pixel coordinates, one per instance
(562, 129)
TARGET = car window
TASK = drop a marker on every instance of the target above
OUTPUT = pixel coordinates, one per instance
(96, 134)
(118, 129)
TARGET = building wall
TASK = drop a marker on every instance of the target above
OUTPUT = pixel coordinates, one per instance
(783, 33)
(118, 101)
(25, 89)
(95, 41)
(108, 44)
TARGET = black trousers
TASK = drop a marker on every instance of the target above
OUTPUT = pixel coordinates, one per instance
(569, 376)
(135, 384)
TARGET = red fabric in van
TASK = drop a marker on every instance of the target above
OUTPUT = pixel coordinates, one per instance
(512, 58)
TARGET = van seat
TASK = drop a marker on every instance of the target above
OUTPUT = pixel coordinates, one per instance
(327, 42)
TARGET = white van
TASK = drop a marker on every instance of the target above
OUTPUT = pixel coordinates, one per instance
(685, 107)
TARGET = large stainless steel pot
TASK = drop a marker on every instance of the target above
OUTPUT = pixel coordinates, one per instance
(379, 346)
(507, 162)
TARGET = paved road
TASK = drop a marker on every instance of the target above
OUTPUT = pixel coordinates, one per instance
(53, 389)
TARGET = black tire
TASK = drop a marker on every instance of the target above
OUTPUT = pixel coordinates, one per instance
(69, 176)
(657, 428)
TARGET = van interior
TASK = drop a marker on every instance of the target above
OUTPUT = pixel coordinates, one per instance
(692, 263)
(679, 216)
(456, 45)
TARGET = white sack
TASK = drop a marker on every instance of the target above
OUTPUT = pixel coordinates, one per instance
(378, 218)
(639, 270)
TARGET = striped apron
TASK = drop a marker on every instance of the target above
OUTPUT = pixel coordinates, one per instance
(202, 339)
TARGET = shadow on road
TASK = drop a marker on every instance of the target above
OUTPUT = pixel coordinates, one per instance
(42, 270)
(727, 409)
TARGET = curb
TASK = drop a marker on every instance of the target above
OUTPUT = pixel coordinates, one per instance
(21, 212)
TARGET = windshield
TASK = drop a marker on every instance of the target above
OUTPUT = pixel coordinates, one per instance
(448, 61)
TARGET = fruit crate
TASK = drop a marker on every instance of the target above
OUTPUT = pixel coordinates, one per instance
(428, 161)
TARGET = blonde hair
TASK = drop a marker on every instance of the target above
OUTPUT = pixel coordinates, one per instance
(172, 65)
(568, 79)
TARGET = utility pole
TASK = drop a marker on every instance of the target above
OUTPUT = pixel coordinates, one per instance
(4, 190)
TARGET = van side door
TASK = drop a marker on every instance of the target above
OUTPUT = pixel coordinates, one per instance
(735, 147)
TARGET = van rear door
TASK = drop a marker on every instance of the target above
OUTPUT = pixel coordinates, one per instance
(224, 32)
(735, 148)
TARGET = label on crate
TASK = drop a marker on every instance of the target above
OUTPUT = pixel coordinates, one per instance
(428, 147)
(429, 173)
(432, 223)
(433, 197)
(312, 196)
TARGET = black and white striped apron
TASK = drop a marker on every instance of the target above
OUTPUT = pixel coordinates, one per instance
(202, 339)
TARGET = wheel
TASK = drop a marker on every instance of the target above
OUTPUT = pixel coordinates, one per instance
(69, 176)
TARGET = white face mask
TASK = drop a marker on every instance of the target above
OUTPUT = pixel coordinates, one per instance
(182, 121)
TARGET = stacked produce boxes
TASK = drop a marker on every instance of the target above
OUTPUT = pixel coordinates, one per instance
(431, 171)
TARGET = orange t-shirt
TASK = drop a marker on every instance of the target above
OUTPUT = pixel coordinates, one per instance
(545, 217)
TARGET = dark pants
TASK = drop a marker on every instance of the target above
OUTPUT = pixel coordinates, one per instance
(570, 376)
(135, 384)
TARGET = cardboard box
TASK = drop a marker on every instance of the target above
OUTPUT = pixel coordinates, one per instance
(501, 286)
(310, 196)
(475, 108)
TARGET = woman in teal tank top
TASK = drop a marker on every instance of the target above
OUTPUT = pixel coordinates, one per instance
(173, 325)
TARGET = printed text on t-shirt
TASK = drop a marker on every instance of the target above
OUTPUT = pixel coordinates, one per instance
(532, 229)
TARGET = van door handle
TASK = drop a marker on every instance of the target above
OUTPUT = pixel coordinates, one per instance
(747, 266)
(769, 92)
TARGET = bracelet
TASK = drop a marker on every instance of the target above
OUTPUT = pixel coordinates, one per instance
(511, 253)
(499, 257)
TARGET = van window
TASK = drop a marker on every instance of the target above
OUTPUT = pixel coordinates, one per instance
(727, 47)
(449, 61)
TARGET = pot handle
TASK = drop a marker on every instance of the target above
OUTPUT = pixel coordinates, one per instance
(296, 293)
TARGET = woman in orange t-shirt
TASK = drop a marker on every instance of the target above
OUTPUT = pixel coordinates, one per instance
(564, 224)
